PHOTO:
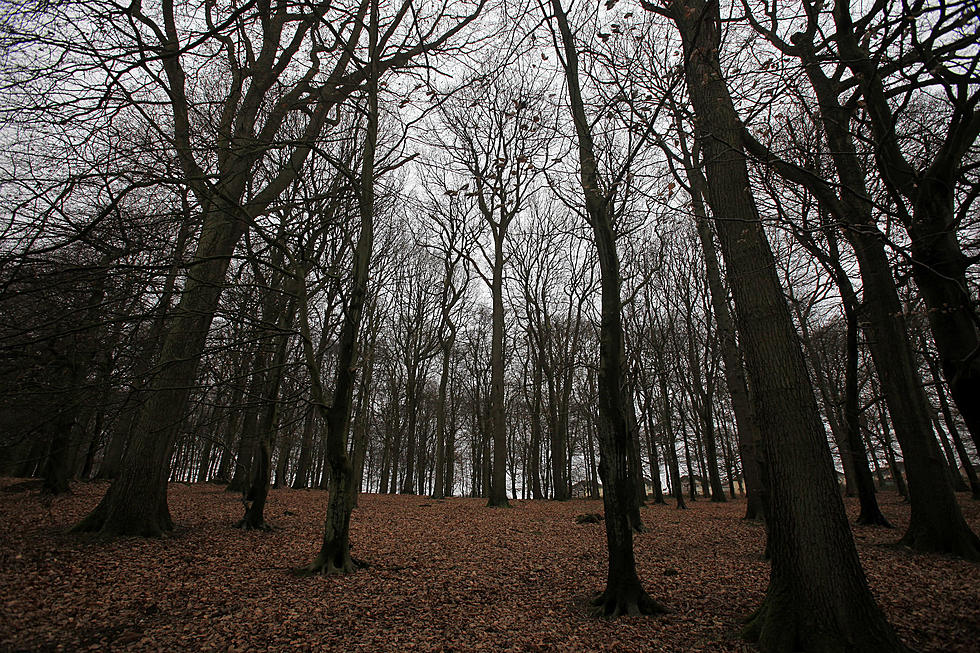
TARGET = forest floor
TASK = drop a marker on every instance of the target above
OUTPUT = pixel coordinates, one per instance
(444, 575)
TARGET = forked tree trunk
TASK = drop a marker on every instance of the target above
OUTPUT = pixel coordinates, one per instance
(939, 265)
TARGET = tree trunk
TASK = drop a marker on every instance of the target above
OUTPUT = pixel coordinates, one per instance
(334, 556)
(936, 523)
(940, 271)
(136, 501)
(273, 313)
(305, 452)
(658, 490)
(439, 488)
(623, 593)
(818, 597)
(498, 421)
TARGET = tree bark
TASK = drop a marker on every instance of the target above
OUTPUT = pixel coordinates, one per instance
(624, 593)
(937, 523)
(818, 597)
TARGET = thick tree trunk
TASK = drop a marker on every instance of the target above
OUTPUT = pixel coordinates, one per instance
(818, 596)
(56, 468)
(136, 502)
(937, 523)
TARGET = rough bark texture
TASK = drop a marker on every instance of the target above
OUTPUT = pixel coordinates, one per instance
(818, 597)
(937, 523)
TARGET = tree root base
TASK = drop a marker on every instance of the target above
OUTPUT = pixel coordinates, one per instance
(777, 627)
(873, 520)
(263, 526)
(328, 568)
(610, 605)
(99, 522)
(965, 544)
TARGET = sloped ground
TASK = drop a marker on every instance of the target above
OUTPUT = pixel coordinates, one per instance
(445, 575)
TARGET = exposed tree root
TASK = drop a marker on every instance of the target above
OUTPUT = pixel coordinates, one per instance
(873, 520)
(635, 603)
(329, 567)
(963, 544)
(247, 525)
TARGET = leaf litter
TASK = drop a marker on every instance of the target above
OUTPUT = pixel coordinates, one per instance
(444, 575)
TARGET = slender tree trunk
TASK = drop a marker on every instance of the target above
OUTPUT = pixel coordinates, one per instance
(670, 446)
(258, 493)
(658, 491)
(534, 467)
(439, 489)
(498, 418)
(305, 452)
(334, 556)
(954, 432)
(623, 593)
(749, 438)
